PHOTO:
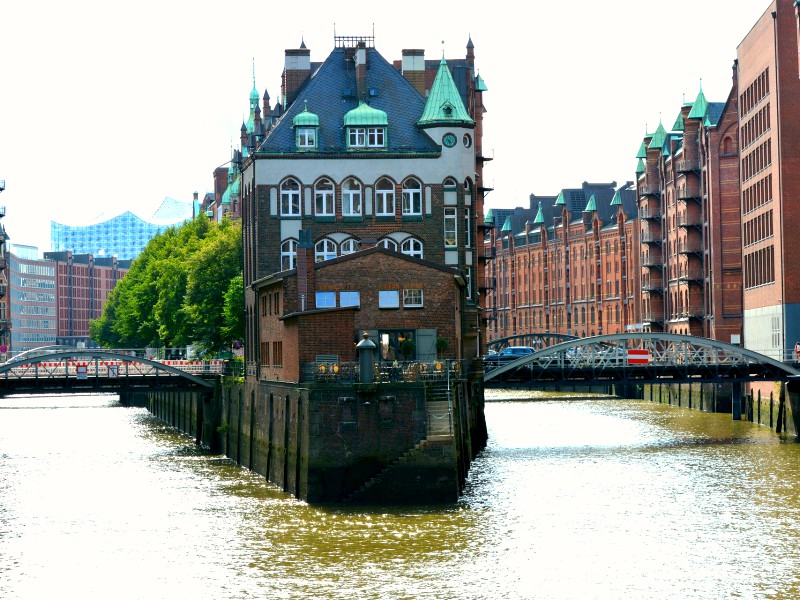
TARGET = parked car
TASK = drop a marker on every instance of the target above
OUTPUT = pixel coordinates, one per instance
(507, 355)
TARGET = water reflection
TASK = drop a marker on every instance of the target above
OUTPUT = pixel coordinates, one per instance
(571, 499)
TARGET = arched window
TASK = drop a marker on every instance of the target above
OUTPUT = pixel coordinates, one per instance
(323, 198)
(412, 197)
(412, 247)
(288, 254)
(388, 243)
(351, 198)
(450, 182)
(325, 249)
(290, 198)
(384, 198)
(348, 246)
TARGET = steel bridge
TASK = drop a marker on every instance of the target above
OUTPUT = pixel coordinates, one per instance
(633, 358)
(59, 370)
(534, 340)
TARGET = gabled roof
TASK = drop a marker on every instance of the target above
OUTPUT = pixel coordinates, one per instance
(591, 206)
(331, 92)
(444, 105)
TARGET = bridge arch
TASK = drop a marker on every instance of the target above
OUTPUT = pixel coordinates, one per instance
(54, 364)
(657, 357)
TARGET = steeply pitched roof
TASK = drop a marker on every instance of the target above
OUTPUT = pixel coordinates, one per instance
(444, 103)
(330, 92)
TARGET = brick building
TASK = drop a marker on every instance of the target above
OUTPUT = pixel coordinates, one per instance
(568, 264)
(688, 191)
(367, 152)
(769, 123)
(82, 285)
(362, 211)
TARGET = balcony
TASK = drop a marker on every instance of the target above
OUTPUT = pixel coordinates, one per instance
(690, 194)
(652, 317)
(649, 237)
(689, 220)
(687, 165)
(487, 254)
(650, 190)
(651, 261)
(652, 286)
(489, 284)
(648, 214)
(690, 275)
(690, 247)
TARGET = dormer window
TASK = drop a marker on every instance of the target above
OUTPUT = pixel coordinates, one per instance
(366, 127)
(306, 126)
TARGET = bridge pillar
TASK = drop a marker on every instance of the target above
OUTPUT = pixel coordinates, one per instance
(736, 400)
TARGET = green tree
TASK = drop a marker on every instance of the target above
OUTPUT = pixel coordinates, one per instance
(179, 291)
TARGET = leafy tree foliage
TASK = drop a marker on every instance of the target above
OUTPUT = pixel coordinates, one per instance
(186, 287)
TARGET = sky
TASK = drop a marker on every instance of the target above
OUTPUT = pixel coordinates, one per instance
(107, 107)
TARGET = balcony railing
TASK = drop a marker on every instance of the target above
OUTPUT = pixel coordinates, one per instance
(649, 237)
(385, 372)
(689, 247)
(689, 220)
(688, 194)
(649, 214)
(650, 190)
(688, 164)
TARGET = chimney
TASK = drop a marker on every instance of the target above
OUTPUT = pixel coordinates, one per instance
(413, 68)
(361, 70)
(306, 286)
(296, 71)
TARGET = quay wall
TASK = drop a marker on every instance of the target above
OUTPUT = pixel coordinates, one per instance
(395, 443)
(771, 405)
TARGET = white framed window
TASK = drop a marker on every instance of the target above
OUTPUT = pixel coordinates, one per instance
(325, 249)
(366, 137)
(348, 246)
(388, 299)
(389, 244)
(467, 229)
(384, 198)
(450, 228)
(411, 247)
(288, 254)
(357, 137)
(349, 298)
(290, 198)
(375, 137)
(306, 137)
(351, 198)
(412, 197)
(323, 198)
(468, 277)
(326, 299)
(412, 298)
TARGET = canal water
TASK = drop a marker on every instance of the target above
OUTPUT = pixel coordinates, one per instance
(589, 498)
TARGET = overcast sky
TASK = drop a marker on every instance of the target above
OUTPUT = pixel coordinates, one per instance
(106, 107)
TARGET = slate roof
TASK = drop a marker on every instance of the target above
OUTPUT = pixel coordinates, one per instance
(325, 96)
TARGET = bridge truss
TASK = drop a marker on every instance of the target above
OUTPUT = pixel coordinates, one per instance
(640, 358)
(69, 370)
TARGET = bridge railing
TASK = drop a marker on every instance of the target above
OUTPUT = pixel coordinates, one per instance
(69, 368)
(385, 372)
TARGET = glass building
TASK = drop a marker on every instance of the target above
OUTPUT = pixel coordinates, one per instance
(123, 236)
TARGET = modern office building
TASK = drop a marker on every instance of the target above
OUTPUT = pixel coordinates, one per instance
(688, 194)
(567, 264)
(5, 319)
(32, 300)
(769, 123)
(123, 236)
